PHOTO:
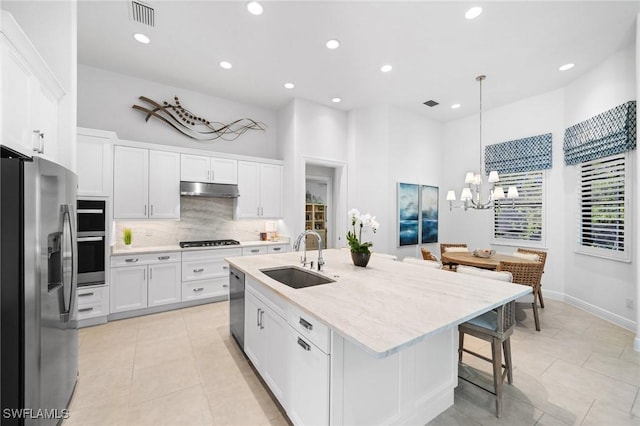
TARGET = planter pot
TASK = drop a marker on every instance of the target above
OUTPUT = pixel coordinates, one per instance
(360, 259)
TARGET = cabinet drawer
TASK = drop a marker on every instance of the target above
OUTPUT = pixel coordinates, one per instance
(92, 310)
(89, 295)
(145, 259)
(248, 251)
(205, 288)
(93, 302)
(280, 248)
(309, 328)
(204, 269)
(210, 254)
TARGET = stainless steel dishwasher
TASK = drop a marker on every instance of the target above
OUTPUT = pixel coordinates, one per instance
(236, 305)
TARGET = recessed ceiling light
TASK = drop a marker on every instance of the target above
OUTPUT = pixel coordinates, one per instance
(473, 13)
(336, 100)
(566, 67)
(254, 8)
(226, 65)
(289, 85)
(142, 38)
(386, 68)
(333, 44)
(455, 106)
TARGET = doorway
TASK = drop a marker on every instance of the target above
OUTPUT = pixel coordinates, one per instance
(322, 204)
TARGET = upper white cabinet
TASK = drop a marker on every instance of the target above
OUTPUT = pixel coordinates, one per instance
(30, 95)
(95, 162)
(198, 168)
(260, 186)
(146, 184)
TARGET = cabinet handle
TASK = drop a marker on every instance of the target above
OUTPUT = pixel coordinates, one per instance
(85, 310)
(261, 211)
(85, 294)
(306, 324)
(132, 260)
(150, 273)
(145, 209)
(144, 274)
(151, 212)
(213, 175)
(255, 251)
(198, 289)
(208, 174)
(277, 248)
(225, 267)
(225, 285)
(164, 257)
(304, 344)
(198, 270)
(258, 209)
(258, 317)
(261, 317)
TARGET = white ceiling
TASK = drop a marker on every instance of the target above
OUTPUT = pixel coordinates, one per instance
(435, 52)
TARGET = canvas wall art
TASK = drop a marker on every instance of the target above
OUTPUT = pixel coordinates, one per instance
(408, 214)
(429, 214)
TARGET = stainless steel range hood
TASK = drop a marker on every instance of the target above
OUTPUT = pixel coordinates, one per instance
(209, 190)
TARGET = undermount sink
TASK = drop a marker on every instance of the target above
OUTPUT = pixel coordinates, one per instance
(296, 277)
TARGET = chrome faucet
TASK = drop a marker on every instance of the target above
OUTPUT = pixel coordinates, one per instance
(303, 259)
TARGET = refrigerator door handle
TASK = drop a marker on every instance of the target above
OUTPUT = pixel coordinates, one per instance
(67, 308)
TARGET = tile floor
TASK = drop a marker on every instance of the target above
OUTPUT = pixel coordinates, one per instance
(182, 368)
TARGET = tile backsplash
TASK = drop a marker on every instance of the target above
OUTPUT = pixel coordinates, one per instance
(200, 219)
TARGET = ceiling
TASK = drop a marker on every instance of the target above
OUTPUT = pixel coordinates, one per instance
(435, 52)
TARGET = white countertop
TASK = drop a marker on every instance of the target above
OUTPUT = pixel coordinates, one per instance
(388, 305)
(119, 250)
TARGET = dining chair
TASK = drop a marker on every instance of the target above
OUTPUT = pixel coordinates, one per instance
(427, 255)
(526, 273)
(423, 262)
(496, 327)
(542, 257)
(445, 246)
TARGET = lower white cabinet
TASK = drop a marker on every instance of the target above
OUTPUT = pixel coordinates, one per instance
(309, 385)
(205, 273)
(141, 281)
(266, 335)
(93, 302)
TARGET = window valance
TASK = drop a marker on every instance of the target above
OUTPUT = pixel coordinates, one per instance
(520, 155)
(609, 133)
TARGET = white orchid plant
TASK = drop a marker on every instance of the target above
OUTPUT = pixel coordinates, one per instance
(360, 221)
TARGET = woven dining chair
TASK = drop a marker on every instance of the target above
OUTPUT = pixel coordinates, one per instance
(445, 246)
(526, 273)
(496, 327)
(427, 255)
(542, 257)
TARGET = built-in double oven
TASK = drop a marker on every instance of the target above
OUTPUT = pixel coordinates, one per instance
(92, 242)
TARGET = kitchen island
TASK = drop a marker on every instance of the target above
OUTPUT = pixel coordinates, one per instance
(377, 346)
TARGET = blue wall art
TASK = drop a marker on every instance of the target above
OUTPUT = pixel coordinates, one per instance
(429, 213)
(408, 214)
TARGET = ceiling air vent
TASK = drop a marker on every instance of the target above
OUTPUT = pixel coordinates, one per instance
(431, 103)
(142, 13)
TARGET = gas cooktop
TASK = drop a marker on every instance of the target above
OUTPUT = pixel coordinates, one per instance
(208, 243)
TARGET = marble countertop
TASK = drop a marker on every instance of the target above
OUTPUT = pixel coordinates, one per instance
(119, 250)
(388, 305)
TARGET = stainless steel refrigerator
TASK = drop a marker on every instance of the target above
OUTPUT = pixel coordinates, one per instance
(38, 273)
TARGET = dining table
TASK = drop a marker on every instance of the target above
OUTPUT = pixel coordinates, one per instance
(469, 259)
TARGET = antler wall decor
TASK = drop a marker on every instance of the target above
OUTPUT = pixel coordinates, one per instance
(195, 127)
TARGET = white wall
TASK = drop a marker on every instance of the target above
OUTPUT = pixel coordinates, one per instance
(105, 99)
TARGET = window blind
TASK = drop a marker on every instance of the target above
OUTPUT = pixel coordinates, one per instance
(522, 219)
(602, 206)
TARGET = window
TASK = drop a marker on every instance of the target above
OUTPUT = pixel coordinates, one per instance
(603, 207)
(522, 219)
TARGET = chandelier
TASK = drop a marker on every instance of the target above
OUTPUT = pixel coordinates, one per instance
(472, 196)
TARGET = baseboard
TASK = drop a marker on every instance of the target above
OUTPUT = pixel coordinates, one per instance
(600, 313)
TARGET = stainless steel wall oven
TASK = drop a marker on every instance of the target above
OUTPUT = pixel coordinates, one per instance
(92, 242)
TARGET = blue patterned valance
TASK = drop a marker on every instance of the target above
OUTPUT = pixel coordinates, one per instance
(520, 155)
(609, 133)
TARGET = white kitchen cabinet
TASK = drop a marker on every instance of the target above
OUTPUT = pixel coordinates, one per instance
(141, 281)
(128, 288)
(92, 302)
(266, 337)
(260, 187)
(309, 385)
(205, 273)
(164, 284)
(94, 164)
(277, 248)
(146, 184)
(253, 250)
(198, 168)
(30, 95)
